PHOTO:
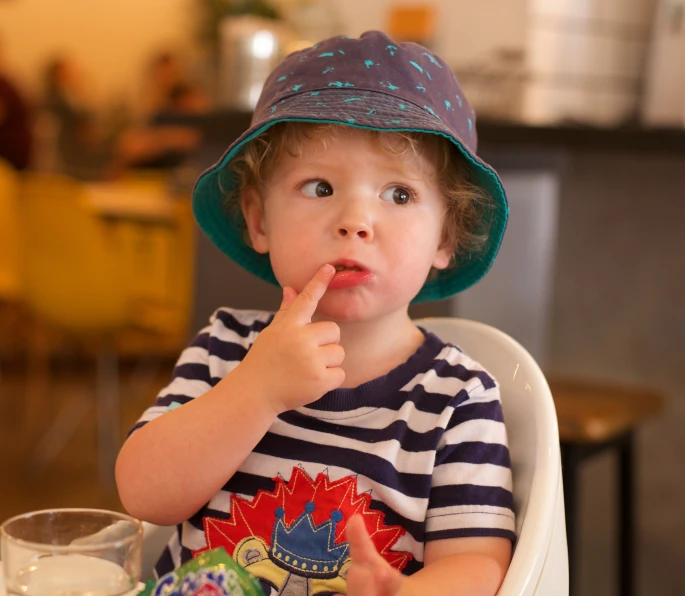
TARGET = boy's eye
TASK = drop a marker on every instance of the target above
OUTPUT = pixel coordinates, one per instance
(397, 194)
(317, 188)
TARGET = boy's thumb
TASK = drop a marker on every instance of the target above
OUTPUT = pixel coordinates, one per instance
(362, 548)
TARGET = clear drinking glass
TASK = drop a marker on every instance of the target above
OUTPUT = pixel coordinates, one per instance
(71, 552)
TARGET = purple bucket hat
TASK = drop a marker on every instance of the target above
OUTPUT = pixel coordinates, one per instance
(372, 83)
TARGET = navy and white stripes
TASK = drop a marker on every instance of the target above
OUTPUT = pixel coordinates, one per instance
(427, 441)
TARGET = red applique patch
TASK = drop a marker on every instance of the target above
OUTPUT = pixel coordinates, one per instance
(296, 533)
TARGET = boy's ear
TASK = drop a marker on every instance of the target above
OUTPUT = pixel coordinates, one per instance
(443, 256)
(253, 212)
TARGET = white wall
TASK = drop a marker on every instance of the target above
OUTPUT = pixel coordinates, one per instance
(467, 30)
(112, 40)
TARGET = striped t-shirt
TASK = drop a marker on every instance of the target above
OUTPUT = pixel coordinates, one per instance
(421, 453)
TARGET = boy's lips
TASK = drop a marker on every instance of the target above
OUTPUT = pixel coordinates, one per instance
(349, 274)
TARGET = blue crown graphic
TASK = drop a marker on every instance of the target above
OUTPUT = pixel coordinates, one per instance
(305, 548)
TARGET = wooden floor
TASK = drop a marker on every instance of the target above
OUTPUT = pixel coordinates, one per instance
(71, 478)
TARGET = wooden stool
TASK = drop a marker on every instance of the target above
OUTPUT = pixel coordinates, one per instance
(591, 419)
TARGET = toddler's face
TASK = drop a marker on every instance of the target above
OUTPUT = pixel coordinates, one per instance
(350, 203)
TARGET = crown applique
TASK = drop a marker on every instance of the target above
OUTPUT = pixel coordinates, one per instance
(305, 548)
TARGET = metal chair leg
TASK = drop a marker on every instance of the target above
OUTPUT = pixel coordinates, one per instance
(61, 430)
(570, 459)
(72, 415)
(626, 516)
(108, 415)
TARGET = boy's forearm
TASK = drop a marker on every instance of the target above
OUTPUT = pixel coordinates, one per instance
(168, 469)
(456, 575)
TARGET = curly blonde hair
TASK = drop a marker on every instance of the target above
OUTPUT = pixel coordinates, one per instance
(466, 203)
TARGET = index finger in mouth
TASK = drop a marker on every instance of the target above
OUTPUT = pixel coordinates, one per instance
(304, 306)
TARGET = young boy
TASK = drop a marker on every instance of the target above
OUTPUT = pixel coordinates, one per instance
(334, 447)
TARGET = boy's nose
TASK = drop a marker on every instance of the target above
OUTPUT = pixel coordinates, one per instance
(355, 220)
(359, 229)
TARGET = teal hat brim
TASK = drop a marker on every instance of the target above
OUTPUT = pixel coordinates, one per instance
(225, 227)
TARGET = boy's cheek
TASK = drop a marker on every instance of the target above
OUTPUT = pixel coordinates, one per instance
(292, 269)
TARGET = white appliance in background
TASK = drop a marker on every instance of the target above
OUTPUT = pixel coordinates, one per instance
(516, 293)
(585, 60)
(664, 91)
(250, 48)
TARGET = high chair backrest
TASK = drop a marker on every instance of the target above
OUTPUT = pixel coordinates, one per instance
(73, 271)
(10, 284)
(540, 562)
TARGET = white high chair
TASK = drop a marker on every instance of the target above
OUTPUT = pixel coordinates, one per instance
(540, 562)
(539, 566)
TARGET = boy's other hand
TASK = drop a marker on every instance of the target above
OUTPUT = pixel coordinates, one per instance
(369, 573)
(295, 361)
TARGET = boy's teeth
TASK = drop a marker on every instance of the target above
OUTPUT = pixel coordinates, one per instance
(343, 268)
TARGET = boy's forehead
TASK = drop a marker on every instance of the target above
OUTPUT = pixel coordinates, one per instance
(389, 151)
(314, 136)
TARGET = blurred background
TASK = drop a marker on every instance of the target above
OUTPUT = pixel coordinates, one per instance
(109, 111)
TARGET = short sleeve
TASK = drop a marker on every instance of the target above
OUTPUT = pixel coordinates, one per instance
(471, 491)
(190, 379)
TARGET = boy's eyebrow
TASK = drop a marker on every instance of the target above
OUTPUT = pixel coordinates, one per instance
(397, 175)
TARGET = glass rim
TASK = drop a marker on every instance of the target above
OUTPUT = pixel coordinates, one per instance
(72, 548)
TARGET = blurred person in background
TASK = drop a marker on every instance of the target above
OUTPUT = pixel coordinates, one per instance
(84, 148)
(185, 98)
(162, 74)
(87, 149)
(169, 90)
(170, 98)
(16, 138)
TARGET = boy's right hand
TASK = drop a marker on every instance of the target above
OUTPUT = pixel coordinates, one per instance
(294, 361)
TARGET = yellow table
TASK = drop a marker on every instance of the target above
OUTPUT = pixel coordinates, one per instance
(124, 202)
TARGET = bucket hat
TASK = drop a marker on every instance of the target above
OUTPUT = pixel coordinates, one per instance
(370, 82)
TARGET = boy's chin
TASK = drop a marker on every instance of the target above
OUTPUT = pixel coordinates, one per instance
(348, 307)
(339, 306)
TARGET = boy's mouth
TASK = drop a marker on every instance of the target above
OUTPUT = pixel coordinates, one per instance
(348, 265)
(349, 274)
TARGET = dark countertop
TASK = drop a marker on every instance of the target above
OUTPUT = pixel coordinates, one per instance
(223, 126)
(629, 138)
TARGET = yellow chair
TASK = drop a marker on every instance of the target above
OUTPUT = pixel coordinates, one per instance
(10, 285)
(76, 281)
(73, 272)
(121, 284)
(11, 323)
